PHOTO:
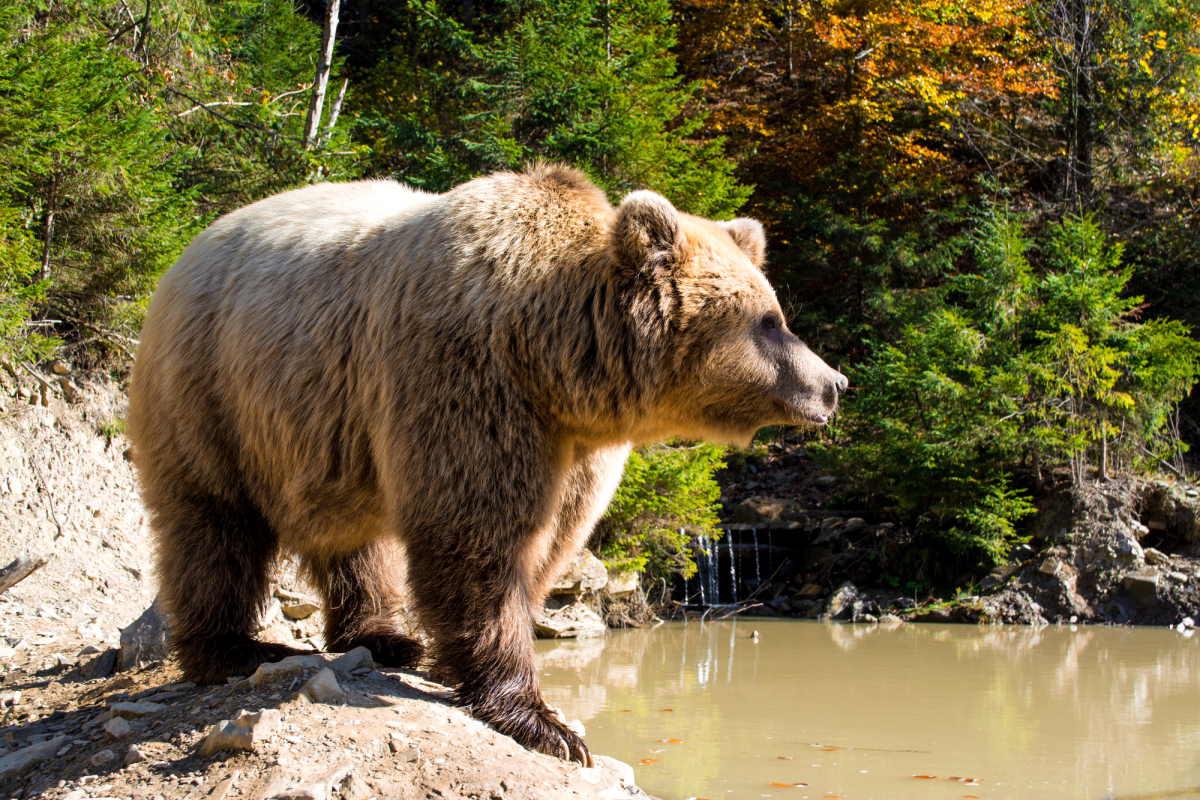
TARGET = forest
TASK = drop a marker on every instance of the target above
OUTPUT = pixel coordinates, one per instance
(984, 213)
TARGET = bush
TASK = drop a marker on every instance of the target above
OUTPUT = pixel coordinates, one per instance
(1031, 359)
(668, 495)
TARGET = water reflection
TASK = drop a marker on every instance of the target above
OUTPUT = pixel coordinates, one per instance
(858, 711)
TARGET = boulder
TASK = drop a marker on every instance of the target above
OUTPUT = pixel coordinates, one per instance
(20, 760)
(622, 584)
(569, 622)
(145, 639)
(585, 574)
(761, 510)
(1142, 586)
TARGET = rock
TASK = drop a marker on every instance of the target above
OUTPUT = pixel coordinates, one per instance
(841, 602)
(69, 392)
(145, 639)
(764, 511)
(355, 660)
(298, 611)
(135, 710)
(134, 755)
(324, 688)
(572, 621)
(118, 727)
(1187, 622)
(1156, 558)
(890, 619)
(102, 666)
(622, 584)
(246, 731)
(60, 367)
(20, 760)
(285, 668)
(1142, 587)
(337, 783)
(102, 758)
(586, 574)
(854, 524)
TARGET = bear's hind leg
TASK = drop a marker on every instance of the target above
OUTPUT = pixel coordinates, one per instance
(360, 590)
(214, 561)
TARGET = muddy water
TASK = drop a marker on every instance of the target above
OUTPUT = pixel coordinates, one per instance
(920, 711)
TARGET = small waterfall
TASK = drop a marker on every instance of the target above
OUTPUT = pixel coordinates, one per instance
(757, 574)
(700, 568)
(733, 585)
(714, 585)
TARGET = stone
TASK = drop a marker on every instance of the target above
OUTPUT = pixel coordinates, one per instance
(103, 758)
(357, 660)
(841, 602)
(572, 621)
(764, 511)
(18, 761)
(1142, 587)
(854, 524)
(145, 639)
(324, 688)
(246, 731)
(289, 667)
(622, 584)
(135, 755)
(134, 710)
(60, 367)
(298, 611)
(585, 574)
(1156, 558)
(118, 727)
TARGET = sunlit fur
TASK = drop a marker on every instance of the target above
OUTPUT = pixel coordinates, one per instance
(348, 370)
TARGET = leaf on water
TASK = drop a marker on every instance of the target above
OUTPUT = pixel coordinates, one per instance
(830, 748)
(970, 797)
(785, 758)
(666, 710)
(645, 762)
(925, 777)
(626, 710)
(788, 784)
(670, 740)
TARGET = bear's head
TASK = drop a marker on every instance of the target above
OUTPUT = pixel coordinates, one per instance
(733, 366)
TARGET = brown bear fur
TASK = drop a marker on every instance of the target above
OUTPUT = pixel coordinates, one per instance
(347, 369)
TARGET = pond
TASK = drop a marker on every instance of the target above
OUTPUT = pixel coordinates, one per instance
(817, 710)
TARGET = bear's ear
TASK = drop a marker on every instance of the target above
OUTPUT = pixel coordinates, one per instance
(749, 236)
(646, 235)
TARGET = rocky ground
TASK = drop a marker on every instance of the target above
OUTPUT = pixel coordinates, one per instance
(1125, 552)
(89, 710)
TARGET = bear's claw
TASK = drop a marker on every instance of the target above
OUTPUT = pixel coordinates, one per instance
(542, 730)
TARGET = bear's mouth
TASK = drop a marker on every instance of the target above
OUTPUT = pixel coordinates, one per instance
(803, 411)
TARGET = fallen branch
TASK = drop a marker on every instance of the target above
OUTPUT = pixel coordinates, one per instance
(20, 569)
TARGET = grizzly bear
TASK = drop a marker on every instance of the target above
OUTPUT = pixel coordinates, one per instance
(345, 370)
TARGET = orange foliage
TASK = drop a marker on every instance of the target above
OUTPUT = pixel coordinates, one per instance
(888, 84)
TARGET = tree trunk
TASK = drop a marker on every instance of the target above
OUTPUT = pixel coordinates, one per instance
(1081, 123)
(321, 82)
(48, 229)
(334, 111)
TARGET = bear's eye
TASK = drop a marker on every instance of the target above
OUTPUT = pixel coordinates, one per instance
(771, 322)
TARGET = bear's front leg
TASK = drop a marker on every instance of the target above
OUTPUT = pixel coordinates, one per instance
(477, 608)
